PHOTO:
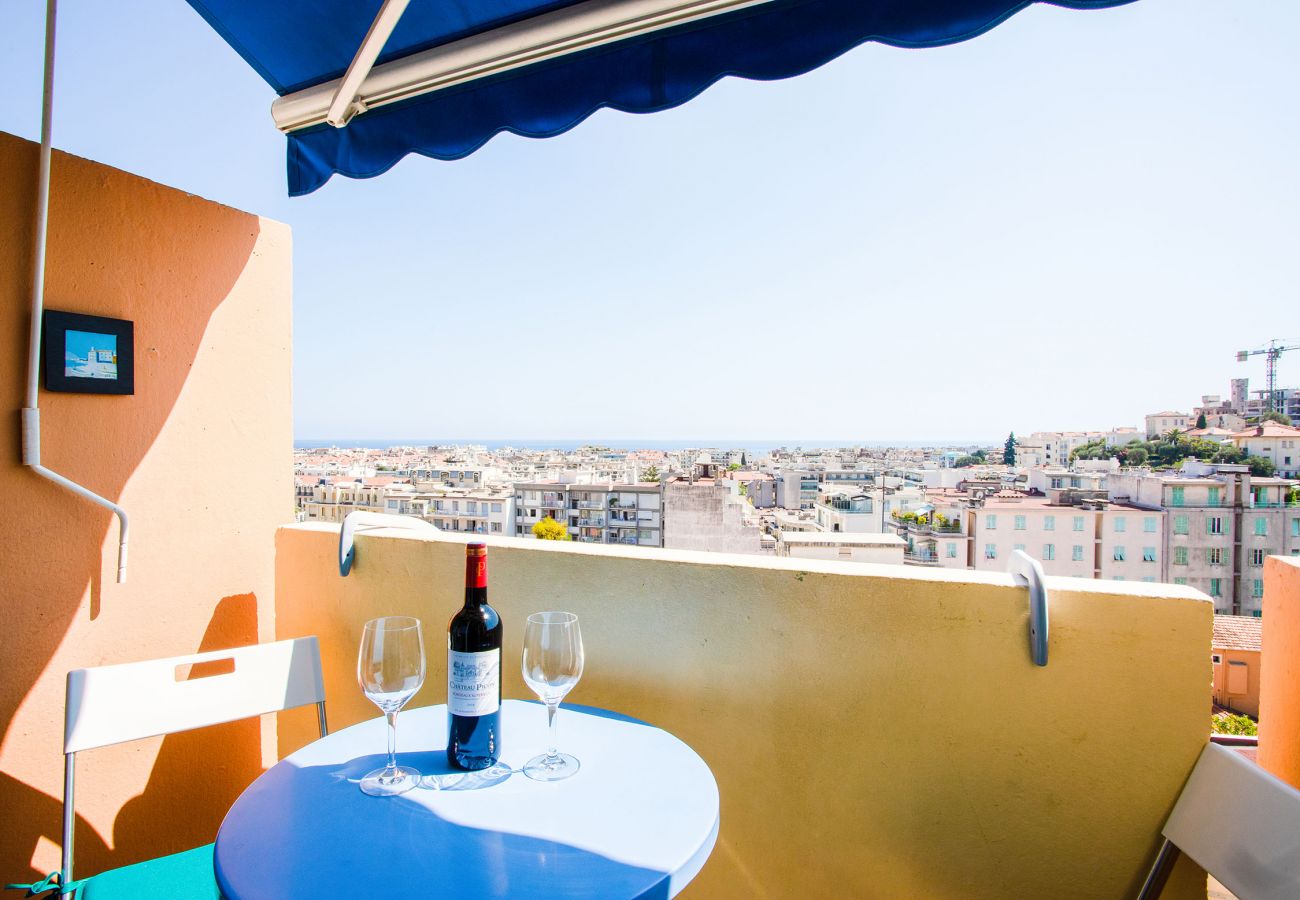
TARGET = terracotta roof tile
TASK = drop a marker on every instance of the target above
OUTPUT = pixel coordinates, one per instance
(1237, 632)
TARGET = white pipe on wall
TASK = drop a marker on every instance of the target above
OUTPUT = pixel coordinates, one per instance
(31, 416)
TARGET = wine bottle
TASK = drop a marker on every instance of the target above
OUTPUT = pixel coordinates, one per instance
(474, 672)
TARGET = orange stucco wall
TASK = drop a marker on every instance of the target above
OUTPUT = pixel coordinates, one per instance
(200, 457)
(1279, 695)
(1248, 702)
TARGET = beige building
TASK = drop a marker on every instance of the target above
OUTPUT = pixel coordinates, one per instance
(1222, 524)
(1275, 441)
(1162, 422)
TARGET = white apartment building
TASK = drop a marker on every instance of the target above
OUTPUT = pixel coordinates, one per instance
(1054, 446)
(482, 510)
(1273, 441)
(796, 489)
(1222, 523)
(331, 502)
(607, 513)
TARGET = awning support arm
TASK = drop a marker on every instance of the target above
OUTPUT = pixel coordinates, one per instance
(31, 415)
(366, 521)
(345, 104)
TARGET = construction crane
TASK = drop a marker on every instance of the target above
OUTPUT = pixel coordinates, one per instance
(1271, 353)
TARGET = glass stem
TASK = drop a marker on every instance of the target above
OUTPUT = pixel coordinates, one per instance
(392, 740)
(552, 755)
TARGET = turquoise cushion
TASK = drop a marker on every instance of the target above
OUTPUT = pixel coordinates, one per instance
(181, 876)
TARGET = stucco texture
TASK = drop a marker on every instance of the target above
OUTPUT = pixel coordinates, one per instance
(1279, 700)
(875, 732)
(200, 457)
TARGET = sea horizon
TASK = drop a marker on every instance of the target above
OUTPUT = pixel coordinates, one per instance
(755, 446)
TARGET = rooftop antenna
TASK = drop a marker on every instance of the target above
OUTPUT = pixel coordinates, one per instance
(1271, 354)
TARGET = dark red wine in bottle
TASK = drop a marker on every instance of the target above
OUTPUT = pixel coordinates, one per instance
(474, 672)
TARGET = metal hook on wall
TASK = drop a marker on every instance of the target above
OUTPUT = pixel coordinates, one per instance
(366, 521)
(1028, 572)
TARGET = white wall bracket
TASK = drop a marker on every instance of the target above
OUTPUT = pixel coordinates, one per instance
(369, 521)
(1028, 572)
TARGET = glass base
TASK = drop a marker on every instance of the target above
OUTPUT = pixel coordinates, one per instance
(552, 768)
(389, 782)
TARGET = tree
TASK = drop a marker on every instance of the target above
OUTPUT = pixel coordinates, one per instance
(965, 462)
(1009, 450)
(981, 454)
(734, 467)
(550, 530)
(1135, 456)
(1200, 422)
(1283, 418)
(650, 474)
(1261, 466)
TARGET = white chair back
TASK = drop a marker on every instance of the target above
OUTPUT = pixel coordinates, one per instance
(1240, 824)
(112, 704)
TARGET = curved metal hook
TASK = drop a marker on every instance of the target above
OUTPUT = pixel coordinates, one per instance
(365, 521)
(1028, 572)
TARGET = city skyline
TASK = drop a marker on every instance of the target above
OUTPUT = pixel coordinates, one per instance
(930, 245)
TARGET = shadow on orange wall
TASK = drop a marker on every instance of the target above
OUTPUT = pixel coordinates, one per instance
(123, 247)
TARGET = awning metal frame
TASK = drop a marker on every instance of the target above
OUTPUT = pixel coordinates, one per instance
(562, 32)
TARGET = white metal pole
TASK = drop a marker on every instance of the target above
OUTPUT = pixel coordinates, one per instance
(31, 415)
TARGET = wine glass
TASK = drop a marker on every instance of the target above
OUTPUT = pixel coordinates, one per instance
(390, 668)
(552, 666)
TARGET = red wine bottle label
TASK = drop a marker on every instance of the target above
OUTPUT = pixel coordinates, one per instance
(473, 683)
(476, 566)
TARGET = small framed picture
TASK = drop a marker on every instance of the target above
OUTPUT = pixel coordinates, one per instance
(88, 354)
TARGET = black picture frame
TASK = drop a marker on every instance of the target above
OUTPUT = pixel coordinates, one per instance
(108, 368)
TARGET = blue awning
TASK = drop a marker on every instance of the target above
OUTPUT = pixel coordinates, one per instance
(296, 45)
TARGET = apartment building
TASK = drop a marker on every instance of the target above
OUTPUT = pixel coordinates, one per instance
(1274, 441)
(609, 513)
(796, 489)
(331, 501)
(1162, 422)
(710, 514)
(1071, 534)
(481, 510)
(1222, 523)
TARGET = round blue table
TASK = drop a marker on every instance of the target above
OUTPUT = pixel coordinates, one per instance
(638, 820)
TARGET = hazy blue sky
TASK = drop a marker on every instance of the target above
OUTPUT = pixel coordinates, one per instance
(1066, 223)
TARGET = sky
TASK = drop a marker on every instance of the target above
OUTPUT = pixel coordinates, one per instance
(1067, 223)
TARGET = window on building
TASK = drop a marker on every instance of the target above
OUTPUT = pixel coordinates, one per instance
(1216, 587)
(1180, 556)
(1180, 581)
(1049, 523)
(1212, 498)
(1049, 551)
(990, 551)
(1121, 524)
(1295, 528)
(991, 522)
(1214, 525)
(1148, 578)
(1180, 524)
(496, 507)
(1257, 556)
(1017, 546)
(1148, 554)
(1077, 524)
(1117, 578)
(1257, 588)
(1120, 553)
(1261, 525)
(1214, 556)
(1020, 523)
(1076, 553)
(952, 550)
(496, 527)
(1176, 496)
(1149, 524)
